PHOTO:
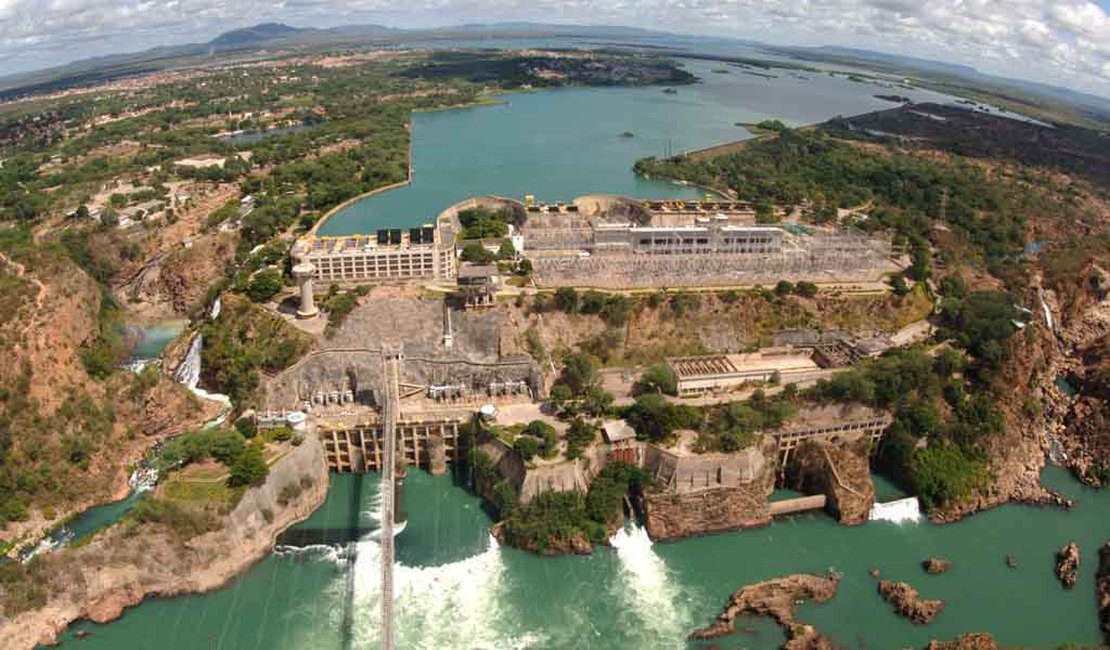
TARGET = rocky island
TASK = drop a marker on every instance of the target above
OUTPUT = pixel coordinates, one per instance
(1067, 564)
(778, 599)
(908, 603)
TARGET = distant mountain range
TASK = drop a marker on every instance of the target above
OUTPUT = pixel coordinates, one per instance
(269, 37)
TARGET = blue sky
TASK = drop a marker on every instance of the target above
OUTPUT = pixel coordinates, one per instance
(1065, 42)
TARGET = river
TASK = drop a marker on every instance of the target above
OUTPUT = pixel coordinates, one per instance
(456, 588)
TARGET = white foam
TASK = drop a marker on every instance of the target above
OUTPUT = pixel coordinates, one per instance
(453, 606)
(188, 373)
(647, 588)
(900, 511)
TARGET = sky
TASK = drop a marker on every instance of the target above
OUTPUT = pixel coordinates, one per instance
(1063, 42)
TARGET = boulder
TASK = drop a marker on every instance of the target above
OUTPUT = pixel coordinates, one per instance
(936, 565)
(1067, 564)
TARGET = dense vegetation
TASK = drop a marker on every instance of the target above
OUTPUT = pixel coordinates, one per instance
(725, 427)
(243, 341)
(510, 70)
(244, 462)
(944, 406)
(551, 520)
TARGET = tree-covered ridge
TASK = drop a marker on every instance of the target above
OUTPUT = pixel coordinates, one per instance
(554, 520)
(244, 341)
(512, 70)
(944, 403)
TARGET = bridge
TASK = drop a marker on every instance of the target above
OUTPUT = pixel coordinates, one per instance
(391, 359)
(798, 504)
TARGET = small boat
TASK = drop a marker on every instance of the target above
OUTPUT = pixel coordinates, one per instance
(1011, 562)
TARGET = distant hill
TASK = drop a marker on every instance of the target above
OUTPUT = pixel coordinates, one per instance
(269, 36)
(249, 36)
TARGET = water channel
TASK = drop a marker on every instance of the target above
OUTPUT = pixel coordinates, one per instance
(456, 588)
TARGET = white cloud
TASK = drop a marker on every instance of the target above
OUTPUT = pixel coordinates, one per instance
(1066, 41)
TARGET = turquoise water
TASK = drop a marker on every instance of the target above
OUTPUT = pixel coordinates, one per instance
(248, 137)
(151, 339)
(563, 143)
(457, 589)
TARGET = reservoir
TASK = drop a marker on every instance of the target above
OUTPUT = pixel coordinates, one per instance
(563, 143)
(457, 589)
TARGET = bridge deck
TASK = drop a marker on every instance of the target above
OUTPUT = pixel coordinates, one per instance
(799, 504)
(388, 467)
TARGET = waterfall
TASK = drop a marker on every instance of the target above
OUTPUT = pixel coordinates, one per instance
(188, 373)
(647, 589)
(899, 511)
(1047, 314)
(215, 311)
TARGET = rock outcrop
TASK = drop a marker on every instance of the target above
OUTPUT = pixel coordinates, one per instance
(972, 641)
(841, 471)
(670, 516)
(908, 603)
(124, 565)
(1102, 590)
(778, 599)
(709, 493)
(936, 565)
(1067, 564)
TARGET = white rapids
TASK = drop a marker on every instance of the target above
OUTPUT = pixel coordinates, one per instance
(648, 589)
(453, 606)
(900, 511)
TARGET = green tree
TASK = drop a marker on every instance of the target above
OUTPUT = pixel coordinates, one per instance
(265, 285)
(248, 468)
(527, 447)
(475, 253)
(784, 287)
(506, 251)
(579, 373)
(566, 300)
(659, 378)
(560, 395)
(805, 289)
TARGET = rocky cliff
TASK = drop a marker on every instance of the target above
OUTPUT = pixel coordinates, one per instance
(838, 469)
(673, 514)
(778, 599)
(128, 562)
(80, 421)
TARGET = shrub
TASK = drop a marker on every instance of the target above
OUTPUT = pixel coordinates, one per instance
(805, 289)
(658, 378)
(475, 253)
(566, 300)
(264, 285)
(248, 468)
(527, 447)
(579, 373)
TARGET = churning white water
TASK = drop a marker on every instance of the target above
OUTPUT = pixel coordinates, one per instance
(647, 589)
(451, 606)
(900, 511)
